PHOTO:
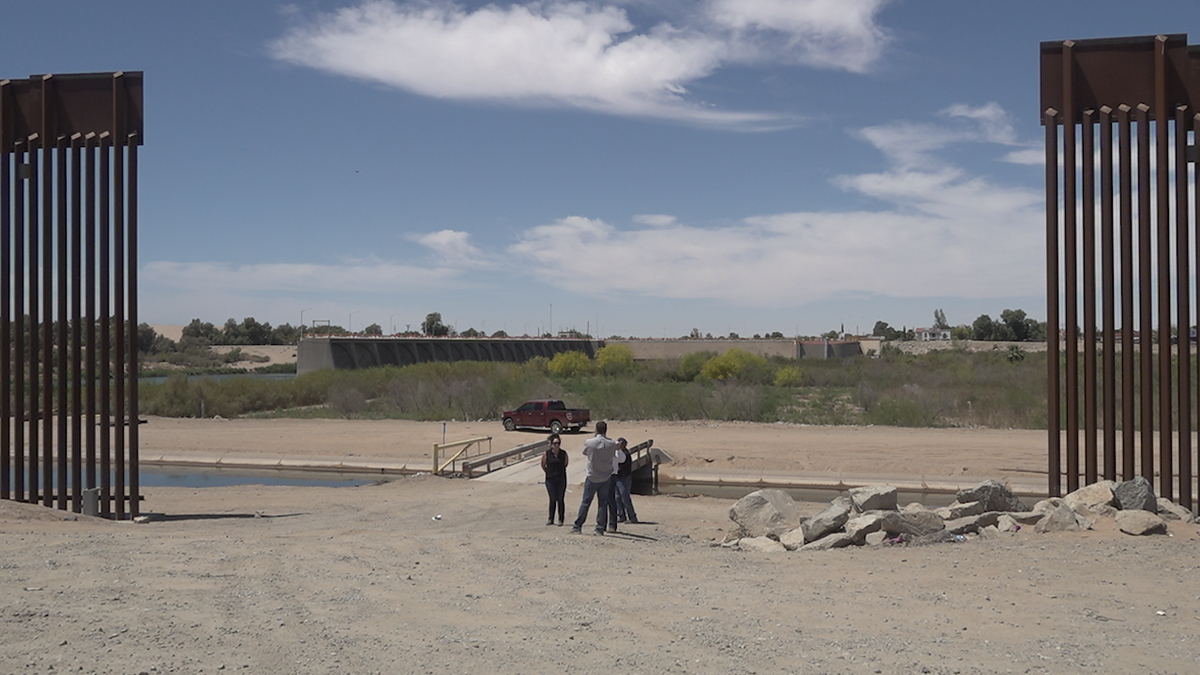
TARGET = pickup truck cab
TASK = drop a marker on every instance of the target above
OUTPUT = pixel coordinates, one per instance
(548, 414)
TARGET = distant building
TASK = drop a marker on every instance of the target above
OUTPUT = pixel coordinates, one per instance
(931, 334)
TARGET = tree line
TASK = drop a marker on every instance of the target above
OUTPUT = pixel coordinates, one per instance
(1014, 325)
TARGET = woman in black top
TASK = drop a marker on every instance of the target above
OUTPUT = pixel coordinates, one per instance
(554, 463)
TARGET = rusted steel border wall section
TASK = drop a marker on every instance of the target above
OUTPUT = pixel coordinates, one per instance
(349, 353)
(68, 291)
(1122, 256)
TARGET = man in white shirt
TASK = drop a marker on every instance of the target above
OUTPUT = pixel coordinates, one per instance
(600, 451)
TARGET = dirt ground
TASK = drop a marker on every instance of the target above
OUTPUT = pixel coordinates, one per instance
(695, 447)
(445, 575)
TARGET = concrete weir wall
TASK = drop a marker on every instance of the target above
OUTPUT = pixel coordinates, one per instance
(349, 353)
(647, 350)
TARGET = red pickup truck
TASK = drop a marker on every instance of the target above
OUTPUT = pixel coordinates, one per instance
(552, 415)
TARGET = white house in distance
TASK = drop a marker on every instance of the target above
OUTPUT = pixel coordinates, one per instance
(931, 334)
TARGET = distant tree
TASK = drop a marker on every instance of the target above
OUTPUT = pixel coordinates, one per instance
(230, 333)
(145, 338)
(499, 334)
(695, 334)
(960, 333)
(983, 328)
(373, 329)
(733, 336)
(883, 330)
(775, 335)
(1014, 319)
(201, 330)
(248, 332)
(285, 334)
(432, 325)
(939, 319)
(1022, 327)
(1037, 329)
(830, 335)
(151, 342)
(470, 333)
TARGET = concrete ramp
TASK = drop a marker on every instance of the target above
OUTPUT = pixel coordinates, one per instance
(529, 472)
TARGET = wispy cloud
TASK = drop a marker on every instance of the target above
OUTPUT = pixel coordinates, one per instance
(838, 34)
(584, 55)
(452, 247)
(291, 277)
(942, 229)
(910, 144)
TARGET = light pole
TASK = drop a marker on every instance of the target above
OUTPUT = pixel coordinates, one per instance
(393, 322)
(350, 322)
(302, 320)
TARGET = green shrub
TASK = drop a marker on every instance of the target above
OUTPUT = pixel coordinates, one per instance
(738, 364)
(945, 388)
(570, 364)
(789, 376)
(614, 359)
(347, 401)
(691, 365)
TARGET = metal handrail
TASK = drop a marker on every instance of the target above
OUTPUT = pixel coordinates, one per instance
(463, 447)
(520, 452)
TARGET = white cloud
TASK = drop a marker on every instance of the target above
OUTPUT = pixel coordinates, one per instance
(581, 54)
(994, 124)
(451, 247)
(289, 277)
(1029, 156)
(943, 232)
(839, 34)
(910, 144)
(654, 219)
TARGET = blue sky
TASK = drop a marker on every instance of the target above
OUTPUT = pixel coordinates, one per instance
(629, 167)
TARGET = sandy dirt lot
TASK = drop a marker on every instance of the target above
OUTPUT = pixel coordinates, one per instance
(443, 575)
(726, 448)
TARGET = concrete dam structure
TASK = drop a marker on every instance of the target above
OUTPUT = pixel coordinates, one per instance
(349, 353)
(648, 350)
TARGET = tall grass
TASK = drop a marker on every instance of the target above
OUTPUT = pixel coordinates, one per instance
(463, 390)
(941, 388)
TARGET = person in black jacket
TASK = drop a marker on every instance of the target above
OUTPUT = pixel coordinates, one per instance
(554, 463)
(624, 484)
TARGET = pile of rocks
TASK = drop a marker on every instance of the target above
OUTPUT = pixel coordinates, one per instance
(769, 520)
